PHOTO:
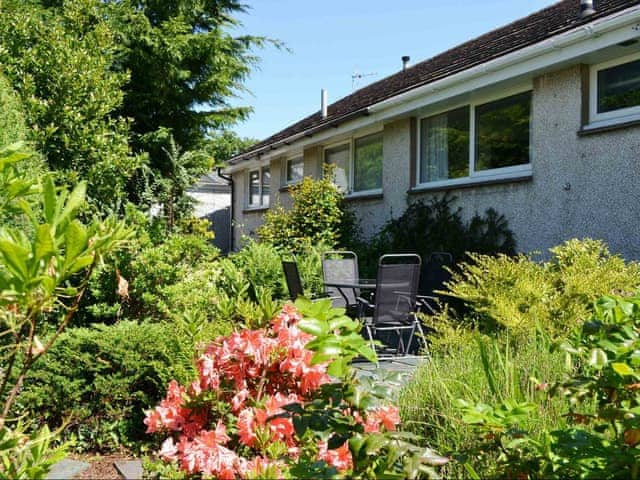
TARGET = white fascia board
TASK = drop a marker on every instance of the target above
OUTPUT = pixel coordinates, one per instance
(555, 51)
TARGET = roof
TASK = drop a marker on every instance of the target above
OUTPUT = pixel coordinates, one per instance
(556, 19)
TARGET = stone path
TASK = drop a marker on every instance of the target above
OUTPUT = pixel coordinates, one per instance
(65, 469)
(405, 366)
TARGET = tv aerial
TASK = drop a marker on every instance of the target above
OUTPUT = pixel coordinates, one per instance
(357, 76)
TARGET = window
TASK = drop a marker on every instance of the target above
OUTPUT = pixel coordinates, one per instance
(339, 156)
(615, 90)
(479, 140)
(445, 146)
(259, 187)
(367, 163)
(362, 171)
(293, 171)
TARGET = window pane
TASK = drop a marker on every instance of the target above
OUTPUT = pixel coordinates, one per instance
(502, 132)
(295, 170)
(266, 187)
(339, 156)
(444, 146)
(367, 169)
(619, 87)
(254, 187)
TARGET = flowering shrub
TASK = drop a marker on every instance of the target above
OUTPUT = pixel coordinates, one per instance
(265, 406)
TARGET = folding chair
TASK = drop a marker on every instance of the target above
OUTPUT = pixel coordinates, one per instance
(341, 267)
(434, 276)
(394, 307)
(292, 277)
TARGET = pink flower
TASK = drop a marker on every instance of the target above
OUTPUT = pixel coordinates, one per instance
(339, 457)
(169, 450)
(246, 427)
(388, 416)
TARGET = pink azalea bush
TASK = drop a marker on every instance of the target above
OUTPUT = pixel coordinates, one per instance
(232, 423)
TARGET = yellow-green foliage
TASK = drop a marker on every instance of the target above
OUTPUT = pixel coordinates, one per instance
(315, 216)
(519, 293)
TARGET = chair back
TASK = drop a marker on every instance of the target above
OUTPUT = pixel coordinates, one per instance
(292, 277)
(434, 274)
(396, 287)
(340, 267)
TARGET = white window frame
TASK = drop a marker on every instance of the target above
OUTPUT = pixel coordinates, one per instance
(475, 176)
(260, 204)
(351, 144)
(616, 116)
(285, 170)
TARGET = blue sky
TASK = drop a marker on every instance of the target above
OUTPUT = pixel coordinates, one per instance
(332, 40)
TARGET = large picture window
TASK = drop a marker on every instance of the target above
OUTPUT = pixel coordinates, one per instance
(502, 132)
(358, 164)
(615, 90)
(477, 140)
(259, 188)
(445, 146)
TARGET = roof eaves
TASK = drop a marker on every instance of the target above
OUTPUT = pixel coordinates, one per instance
(328, 123)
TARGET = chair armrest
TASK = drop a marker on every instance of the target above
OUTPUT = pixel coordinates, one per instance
(423, 301)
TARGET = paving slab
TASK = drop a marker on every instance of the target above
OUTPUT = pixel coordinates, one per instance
(130, 469)
(66, 469)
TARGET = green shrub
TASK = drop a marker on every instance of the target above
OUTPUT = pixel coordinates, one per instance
(434, 227)
(315, 216)
(158, 266)
(12, 122)
(260, 264)
(603, 401)
(520, 294)
(99, 380)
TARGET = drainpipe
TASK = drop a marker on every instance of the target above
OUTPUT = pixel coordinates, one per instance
(229, 180)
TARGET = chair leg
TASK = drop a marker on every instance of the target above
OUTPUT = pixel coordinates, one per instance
(370, 334)
(410, 341)
(421, 332)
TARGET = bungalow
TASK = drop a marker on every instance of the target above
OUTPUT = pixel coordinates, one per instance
(539, 119)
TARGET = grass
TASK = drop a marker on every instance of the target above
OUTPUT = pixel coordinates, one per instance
(479, 369)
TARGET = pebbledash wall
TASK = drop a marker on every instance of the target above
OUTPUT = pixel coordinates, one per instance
(581, 185)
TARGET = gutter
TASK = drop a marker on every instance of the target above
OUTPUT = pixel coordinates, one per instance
(362, 112)
(231, 184)
(595, 28)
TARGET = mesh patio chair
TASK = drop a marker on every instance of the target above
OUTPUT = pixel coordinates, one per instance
(341, 267)
(292, 277)
(394, 307)
(433, 277)
(294, 282)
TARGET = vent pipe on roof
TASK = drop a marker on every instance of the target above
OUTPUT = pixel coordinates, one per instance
(586, 8)
(323, 103)
(405, 62)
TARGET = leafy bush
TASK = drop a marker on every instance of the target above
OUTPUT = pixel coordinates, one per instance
(260, 264)
(12, 122)
(158, 266)
(433, 227)
(603, 439)
(264, 406)
(315, 216)
(97, 381)
(46, 258)
(520, 294)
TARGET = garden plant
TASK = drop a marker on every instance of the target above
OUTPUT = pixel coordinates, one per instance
(283, 402)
